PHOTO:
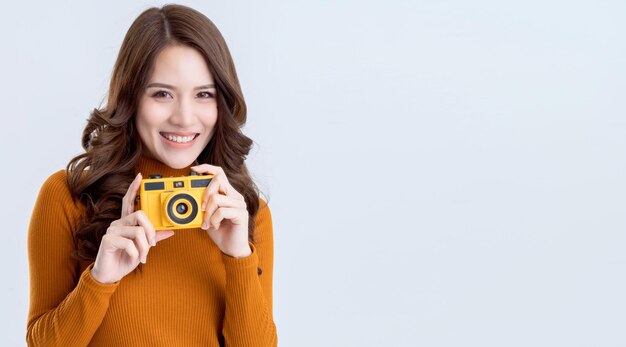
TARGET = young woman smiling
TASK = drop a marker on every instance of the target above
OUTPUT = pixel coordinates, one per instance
(100, 274)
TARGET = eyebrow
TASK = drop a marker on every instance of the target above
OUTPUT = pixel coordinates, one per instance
(163, 85)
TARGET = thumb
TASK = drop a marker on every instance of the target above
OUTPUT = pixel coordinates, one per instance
(163, 234)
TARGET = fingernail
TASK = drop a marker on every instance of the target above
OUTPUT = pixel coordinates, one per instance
(203, 206)
(205, 225)
(144, 259)
(153, 241)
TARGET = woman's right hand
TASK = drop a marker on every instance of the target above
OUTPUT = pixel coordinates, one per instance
(127, 241)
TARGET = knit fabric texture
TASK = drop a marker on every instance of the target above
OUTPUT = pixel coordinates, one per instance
(188, 293)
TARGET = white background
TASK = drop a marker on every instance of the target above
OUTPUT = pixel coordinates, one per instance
(440, 173)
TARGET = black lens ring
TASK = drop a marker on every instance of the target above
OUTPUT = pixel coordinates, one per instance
(194, 208)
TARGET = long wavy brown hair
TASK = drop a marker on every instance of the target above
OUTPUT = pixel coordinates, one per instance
(100, 176)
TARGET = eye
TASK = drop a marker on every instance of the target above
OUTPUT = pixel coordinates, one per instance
(208, 95)
(159, 93)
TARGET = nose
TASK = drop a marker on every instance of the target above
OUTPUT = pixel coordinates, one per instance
(183, 114)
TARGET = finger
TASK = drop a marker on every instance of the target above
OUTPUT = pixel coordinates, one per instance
(115, 242)
(232, 214)
(139, 236)
(207, 168)
(164, 234)
(218, 200)
(219, 182)
(138, 218)
(135, 233)
(128, 201)
(143, 220)
(216, 186)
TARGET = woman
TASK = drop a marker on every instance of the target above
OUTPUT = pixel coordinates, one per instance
(100, 274)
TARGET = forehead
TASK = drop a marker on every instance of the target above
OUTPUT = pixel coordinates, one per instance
(181, 66)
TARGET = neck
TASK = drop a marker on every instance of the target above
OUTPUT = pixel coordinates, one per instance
(149, 166)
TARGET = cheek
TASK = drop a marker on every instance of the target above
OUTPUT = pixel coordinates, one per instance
(150, 115)
(209, 119)
(146, 121)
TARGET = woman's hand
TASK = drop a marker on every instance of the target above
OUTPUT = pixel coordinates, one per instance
(127, 241)
(225, 213)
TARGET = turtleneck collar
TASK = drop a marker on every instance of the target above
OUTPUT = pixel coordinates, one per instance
(149, 166)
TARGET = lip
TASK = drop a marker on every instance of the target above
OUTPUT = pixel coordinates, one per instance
(178, 133)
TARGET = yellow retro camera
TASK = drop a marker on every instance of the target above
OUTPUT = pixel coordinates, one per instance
(174, 202)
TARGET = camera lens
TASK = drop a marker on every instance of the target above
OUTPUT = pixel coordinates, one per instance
(181, 208)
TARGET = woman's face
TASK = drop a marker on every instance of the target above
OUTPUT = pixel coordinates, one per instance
(177, 111)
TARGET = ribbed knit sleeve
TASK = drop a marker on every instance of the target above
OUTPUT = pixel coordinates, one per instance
(248, 319)
(64, 310)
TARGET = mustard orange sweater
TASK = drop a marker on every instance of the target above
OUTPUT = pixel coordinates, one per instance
(188, 293)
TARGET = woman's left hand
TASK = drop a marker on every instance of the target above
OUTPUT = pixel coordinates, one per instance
(225, 213)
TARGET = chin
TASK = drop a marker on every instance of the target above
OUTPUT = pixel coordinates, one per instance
(179, 161)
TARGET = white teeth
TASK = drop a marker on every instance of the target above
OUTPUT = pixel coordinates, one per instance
(178, 139)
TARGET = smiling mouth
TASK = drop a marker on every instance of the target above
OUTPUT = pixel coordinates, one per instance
(179, 138)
